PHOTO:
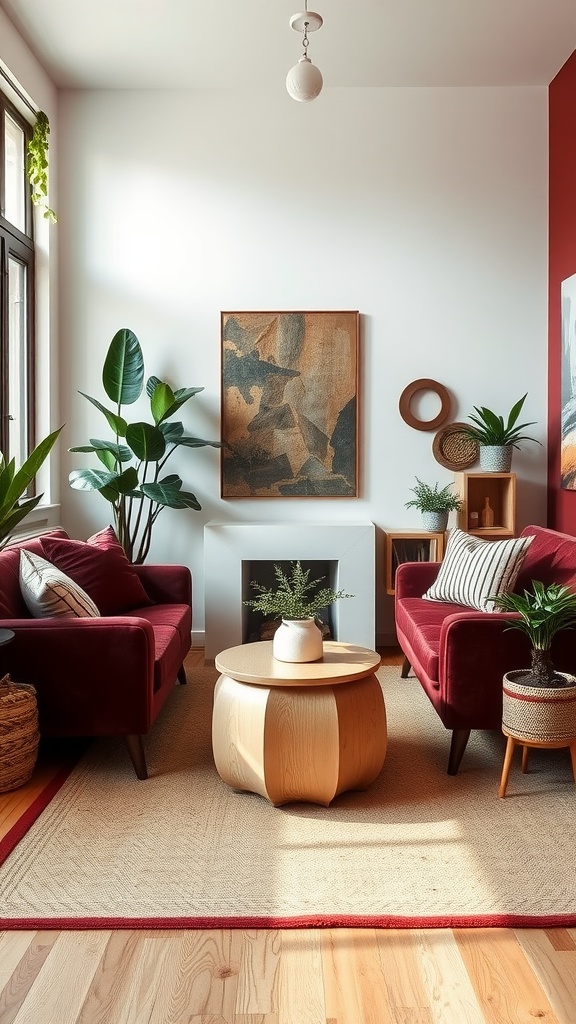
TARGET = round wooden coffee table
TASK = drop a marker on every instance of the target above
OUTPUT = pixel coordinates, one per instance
(298, 731)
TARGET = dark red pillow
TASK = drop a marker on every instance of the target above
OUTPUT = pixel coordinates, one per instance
(101, 568)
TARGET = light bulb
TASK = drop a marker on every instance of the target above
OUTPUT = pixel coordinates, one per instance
(304, 80)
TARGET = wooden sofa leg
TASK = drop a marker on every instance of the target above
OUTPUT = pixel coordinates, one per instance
(137, 755)
(460, 738)
(405, 670)
(182, 676)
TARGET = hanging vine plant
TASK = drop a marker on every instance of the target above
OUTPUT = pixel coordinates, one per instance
(37, 164)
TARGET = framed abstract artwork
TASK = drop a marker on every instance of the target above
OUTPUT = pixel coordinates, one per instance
(290, 404)
(568, 384)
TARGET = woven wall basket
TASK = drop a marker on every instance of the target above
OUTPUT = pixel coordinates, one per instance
(538, 713)
(19, 736)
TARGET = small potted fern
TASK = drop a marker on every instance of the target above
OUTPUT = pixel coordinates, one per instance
(435, 504)
(297, 600)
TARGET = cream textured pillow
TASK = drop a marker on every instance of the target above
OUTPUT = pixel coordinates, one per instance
(475, 570)
(49, 593)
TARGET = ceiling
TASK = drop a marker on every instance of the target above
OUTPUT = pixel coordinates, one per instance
(192, 44)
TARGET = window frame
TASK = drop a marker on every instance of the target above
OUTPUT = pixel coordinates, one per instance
(20, 245)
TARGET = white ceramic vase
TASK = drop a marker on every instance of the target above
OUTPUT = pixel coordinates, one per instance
(297, 640)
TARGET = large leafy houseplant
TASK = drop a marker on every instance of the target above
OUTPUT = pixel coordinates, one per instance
(14, 506)
(543, 612)
(133, 479)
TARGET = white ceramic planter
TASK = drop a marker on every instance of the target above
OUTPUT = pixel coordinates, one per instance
(538, 713)
(297, 640)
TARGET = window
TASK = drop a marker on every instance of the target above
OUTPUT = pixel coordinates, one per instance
(16, 289)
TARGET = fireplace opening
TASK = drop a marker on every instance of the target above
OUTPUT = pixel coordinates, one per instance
(255, 625)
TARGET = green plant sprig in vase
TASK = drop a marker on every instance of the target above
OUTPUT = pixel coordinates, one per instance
(296, 595)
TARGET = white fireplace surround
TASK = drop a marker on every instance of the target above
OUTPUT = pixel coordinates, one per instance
(229, 547)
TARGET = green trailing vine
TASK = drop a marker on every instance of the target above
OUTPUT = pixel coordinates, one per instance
(37, 164)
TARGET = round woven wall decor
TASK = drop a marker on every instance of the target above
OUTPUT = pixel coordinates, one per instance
(424, 384)
(452, 449)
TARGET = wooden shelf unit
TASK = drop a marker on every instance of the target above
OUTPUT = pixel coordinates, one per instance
(411, 546)
(500, 488)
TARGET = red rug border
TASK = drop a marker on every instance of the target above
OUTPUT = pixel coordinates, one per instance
(33, 812)
(387, 922)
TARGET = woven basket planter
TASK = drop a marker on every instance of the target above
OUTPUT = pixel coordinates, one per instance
(19, 736)
(538, 713)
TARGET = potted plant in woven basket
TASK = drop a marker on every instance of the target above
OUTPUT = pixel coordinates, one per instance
(539, 702)
(435, 504)
(297, 600)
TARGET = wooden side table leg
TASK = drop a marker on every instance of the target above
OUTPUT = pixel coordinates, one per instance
(525, 758)
(573, 758)
(506, 766)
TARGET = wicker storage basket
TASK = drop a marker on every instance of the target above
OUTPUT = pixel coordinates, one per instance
(19, 736)
(534, 713)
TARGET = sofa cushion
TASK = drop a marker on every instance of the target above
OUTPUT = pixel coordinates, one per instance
(101, 568)
(49, 593)
(474, 571)
(421, 623)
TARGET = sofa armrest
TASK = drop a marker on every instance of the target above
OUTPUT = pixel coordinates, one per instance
(413, 578)
(475, 651)
(166, 584)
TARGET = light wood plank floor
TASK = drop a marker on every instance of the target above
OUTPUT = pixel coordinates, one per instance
(316, 976)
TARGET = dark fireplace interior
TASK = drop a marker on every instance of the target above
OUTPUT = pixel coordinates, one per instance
(255, 626)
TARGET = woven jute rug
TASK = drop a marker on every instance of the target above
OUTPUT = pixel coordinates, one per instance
(419, 848)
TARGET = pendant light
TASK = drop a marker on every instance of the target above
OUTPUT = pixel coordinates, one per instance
(304, 80)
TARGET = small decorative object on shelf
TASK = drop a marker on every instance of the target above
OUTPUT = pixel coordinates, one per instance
(487, 515)
(500, 489)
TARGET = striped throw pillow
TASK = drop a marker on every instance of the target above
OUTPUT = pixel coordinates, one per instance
(49, 593)
(474, 571)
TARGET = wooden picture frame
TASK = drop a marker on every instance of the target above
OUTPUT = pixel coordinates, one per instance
(289, 416)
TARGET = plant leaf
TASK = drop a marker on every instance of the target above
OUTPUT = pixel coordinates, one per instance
(161, 400)
(21, 480)
(146, 441)
(172, 431)
(115, 422)
(168, 492)
(90, 479)
(123, 372)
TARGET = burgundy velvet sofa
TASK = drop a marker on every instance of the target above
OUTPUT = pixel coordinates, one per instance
(106, 676)
(459, 656)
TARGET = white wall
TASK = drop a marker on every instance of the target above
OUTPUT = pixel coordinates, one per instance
(424, 209)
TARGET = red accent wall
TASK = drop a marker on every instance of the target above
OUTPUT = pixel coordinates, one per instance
(562, 264)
